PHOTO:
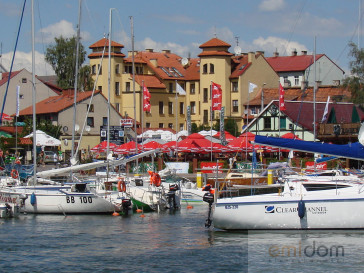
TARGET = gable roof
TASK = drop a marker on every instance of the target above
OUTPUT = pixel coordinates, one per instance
(5, 76)
(56, 104)
(302, 112)
(292, 63)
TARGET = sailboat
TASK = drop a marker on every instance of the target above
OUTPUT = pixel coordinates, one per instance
(303, 203)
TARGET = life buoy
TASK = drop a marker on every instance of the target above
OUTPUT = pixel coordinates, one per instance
(14, 174)
(121, 185)
(155, 179)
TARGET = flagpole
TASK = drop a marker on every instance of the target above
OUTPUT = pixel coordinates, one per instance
(142, 117)
(176, 123)
(211, 118)
(279, 117)
(246, 127)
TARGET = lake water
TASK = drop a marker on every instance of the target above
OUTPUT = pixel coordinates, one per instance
(168, 242)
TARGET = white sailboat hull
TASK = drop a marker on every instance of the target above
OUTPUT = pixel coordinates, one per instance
(57, 201)
(281, 212)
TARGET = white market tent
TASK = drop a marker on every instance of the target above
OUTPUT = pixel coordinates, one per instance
(44, 140)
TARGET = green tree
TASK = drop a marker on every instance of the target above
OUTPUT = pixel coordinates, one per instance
(231, 127)
(43, 125)
(354, 83)
(62, 58)
(194, 128)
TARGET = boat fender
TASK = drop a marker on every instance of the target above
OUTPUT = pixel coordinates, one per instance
(121, 185)
(301, 209)
(14, 174)
(33, 199)
(155, 179)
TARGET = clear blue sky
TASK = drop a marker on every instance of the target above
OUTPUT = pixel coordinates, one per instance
(182, 26)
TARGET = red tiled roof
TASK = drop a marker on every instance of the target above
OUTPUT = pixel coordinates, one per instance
(192, 71)
(56, 104)
(295, 94)
(215, 53)
(241, 65)
(150, 81)
(302, 112)
(215, 42)
(292, 63)
(105, 42)
(5, 76)
(99, 54)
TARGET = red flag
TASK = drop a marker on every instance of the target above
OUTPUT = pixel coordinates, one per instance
(216, 96)
(281, 98)
(146, 99)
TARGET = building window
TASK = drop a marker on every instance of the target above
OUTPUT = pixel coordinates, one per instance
(296, 80)
(90, 122)
(170, 125)
(181, 108)
(235, 106)
(100, 69)
(91, 108)
(170, 87)
(117, 107)
(170, 108)
(192, 88)
(205, 95)
(193, 108)
(181, 126)
(282, 122)
(253, 111)
(24, 80)
(139, 70)
(161, 108)
(160, 125)
(212, 69)
(104, 121)
(128, 69)
(147, 125)
(93, 69)
(235, 87)
(117, 89)
(267, 123)
(205, 116)
(100, 88)
(204, 69)
(127, 86)
(117, 69)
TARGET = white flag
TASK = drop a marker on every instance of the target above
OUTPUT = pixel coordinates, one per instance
(180, 90)
(251, 87)
(17, 100)
(326, 112)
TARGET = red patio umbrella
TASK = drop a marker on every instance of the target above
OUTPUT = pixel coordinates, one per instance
(127, 148)
(102, 147)
(248, 135)
(228, 137)
(6, 117)
(151, 145)
(240, 143)
(169, 146)
(290, 136)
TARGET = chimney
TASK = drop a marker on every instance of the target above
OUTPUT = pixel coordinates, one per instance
(294, 52)
(260, 52)
(130, 53)
(251, 56)
(166, 51)
(275, 54)
(154, 62)
(149, 50)
(304, 52)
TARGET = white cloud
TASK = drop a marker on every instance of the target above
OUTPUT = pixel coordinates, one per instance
(158, 46)
(272, 44)
(24, 60)
(271, 5)
(62, 28)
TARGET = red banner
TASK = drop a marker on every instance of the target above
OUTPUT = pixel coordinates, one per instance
(310, 166)
(216, 96)
(281, 98)
(210, 167)
(146, 99)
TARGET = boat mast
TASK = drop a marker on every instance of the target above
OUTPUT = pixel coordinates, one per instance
(33, 99)
(73, 160)
(314, 91)
(134, 95)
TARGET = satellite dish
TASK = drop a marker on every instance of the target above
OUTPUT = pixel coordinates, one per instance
(87, 128)
(237, 50)
(65, 142)
(184, 61)
(77, 127)
(361, 134)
